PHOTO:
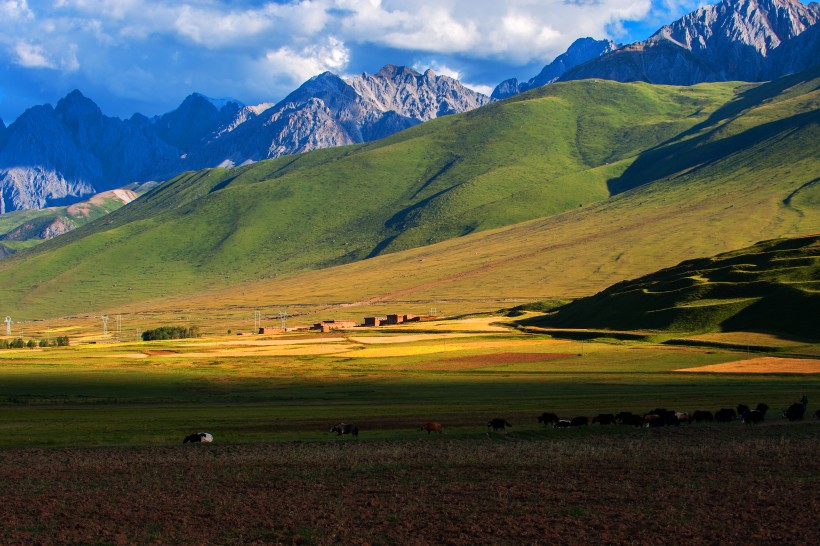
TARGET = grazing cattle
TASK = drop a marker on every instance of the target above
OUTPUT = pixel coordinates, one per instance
(623, 416)
(604, 419)
(725, 415)
(547, 418)
(665, 417)
(742, 409)
(653, 420)
(199, 437)
(751, 416)
(580, 421)
(683, 417)
(762, 408)
(634, 420)
(700, 416)
(561, 423)
(343, 428)
(794, 412)
(431, 427)
(497, 424)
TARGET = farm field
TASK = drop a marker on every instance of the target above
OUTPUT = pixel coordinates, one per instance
(253, 388)
(91, 440)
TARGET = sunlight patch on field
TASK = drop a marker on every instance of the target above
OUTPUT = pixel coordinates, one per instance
(767, 364)
(409, 338)
(282, 350)
(746, 338)
(265, 342)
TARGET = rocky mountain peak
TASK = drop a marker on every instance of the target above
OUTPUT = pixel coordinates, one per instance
(391, 71)
(579, 52)
(76, 106)
(731, 40)
(760, 24)
(422, 97)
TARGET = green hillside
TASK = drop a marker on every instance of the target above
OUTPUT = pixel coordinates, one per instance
(773, 287)
(556, 149)
(23, 229)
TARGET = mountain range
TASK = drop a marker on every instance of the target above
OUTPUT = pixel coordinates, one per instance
(52, 156)
(58, 155)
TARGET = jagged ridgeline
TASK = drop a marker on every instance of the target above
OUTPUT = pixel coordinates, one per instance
(552, 150)
(773, 286)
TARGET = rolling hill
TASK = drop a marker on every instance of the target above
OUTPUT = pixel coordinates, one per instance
(25, 229)
(693, 171)
(773, 286)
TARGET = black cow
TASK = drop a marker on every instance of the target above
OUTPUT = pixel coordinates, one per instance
(700, 416)
(762, 408)
(725, 415)
(547, 418)
(742, 409)
(752, 416)
(562, 423)
(497, 424)
(580, 421)
(623, 416)
(816, 414)
(633, 420)
(604, 419)
(795, 412)
(344, 428)
(665, 417)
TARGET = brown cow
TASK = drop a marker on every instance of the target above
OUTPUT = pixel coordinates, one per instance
(431, 427)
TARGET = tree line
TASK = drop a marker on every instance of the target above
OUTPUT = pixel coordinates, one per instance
(170, 332)
(18, 343)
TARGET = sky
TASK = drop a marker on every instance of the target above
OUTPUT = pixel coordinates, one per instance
(146, 56)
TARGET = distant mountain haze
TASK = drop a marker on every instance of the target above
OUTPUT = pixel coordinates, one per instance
(53, 156)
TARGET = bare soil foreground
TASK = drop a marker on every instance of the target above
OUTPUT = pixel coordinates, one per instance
(698, 484)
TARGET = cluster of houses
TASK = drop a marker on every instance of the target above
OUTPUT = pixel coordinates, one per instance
(329, 325)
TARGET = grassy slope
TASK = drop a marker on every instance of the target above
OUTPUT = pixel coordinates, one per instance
(764, 189)
(536, 155)
(772, 286)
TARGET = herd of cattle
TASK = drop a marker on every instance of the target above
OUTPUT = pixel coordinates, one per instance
(658, 417)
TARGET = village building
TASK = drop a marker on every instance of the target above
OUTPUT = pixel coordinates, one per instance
(328, 325)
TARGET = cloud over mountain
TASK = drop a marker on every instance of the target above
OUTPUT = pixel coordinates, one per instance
(141, 55)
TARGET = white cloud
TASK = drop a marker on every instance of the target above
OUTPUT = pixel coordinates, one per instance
(296, 65)
(15, 9)
(258, 50)
(32, 56)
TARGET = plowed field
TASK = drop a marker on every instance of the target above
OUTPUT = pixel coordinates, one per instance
(682, 485)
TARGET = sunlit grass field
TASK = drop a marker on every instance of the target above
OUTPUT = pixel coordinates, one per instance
(251, 388)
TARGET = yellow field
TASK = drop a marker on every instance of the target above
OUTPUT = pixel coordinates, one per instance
(766, 365)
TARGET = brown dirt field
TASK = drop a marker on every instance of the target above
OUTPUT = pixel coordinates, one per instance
(682, 485)
(767, 364)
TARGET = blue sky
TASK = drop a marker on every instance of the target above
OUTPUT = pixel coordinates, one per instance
(146, 56)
